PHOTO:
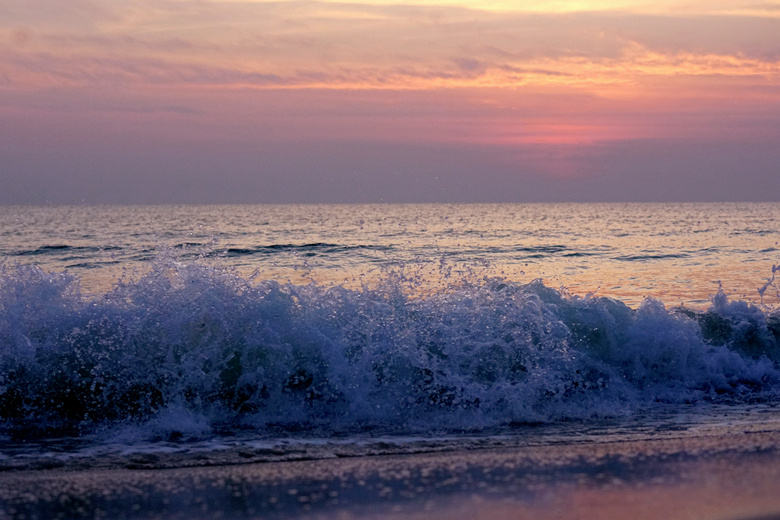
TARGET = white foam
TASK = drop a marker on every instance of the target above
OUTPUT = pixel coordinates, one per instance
(190, 348)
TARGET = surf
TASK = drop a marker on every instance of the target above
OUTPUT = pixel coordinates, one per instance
(194, 349)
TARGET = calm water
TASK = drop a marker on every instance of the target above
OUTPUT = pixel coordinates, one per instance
(132, 325)
(679, 253)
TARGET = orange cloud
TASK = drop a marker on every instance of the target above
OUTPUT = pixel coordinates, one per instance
(495, 72)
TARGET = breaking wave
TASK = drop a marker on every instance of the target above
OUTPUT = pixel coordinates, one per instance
(190, 348)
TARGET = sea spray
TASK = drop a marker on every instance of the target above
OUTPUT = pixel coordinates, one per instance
(191, 347)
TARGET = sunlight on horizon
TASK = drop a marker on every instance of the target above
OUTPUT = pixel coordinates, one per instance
(221, 74)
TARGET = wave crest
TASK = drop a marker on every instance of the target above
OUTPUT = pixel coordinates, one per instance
(230, 352)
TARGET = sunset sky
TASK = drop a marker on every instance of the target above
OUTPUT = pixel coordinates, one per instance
(217, 101)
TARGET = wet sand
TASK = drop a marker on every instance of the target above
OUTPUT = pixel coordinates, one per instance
(719, 477)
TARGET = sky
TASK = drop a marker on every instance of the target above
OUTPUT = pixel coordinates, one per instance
(247, 101)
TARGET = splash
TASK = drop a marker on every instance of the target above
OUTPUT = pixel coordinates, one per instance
(190, 348)
(770, 283)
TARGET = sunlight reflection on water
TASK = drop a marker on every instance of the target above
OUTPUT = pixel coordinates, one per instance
(678, 253)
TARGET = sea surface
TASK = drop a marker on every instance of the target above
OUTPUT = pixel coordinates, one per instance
(311, 330)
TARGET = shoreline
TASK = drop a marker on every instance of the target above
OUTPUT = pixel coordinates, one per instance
(730, 475)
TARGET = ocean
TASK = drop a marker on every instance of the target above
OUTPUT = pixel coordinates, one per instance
(171, 337)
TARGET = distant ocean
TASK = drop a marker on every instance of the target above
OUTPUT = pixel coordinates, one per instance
(182, 329)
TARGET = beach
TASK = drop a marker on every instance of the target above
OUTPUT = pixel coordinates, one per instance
(724, 471)
(389, 260)
(338, 362)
